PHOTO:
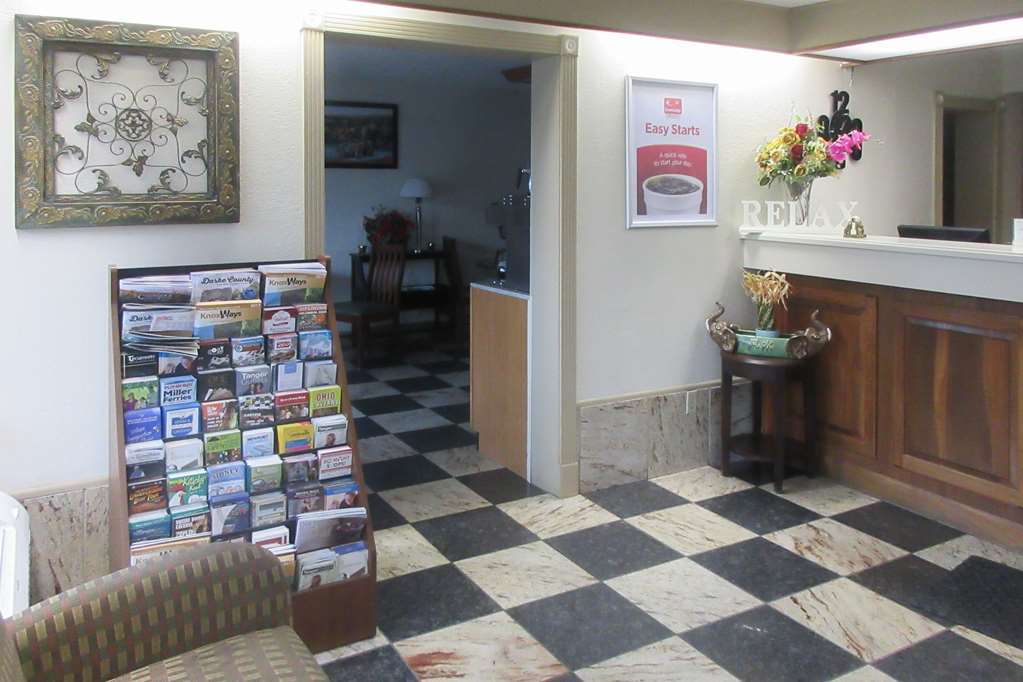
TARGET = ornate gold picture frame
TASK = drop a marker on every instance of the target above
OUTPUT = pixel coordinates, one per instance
(124, 124)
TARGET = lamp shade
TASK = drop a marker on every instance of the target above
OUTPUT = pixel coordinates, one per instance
(416, 188)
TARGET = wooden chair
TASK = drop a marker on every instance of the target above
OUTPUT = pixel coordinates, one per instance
(457, 302)
(386, 271)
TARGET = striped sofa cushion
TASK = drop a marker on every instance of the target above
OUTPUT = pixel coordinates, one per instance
(275, 654)
(138, 616)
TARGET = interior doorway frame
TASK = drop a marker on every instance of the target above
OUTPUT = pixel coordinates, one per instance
(552, 423)
(995, 106)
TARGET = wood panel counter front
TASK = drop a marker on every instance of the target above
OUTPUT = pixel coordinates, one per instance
(498, 320)
(920, 399)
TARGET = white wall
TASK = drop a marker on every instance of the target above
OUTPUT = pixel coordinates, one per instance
(467, 141)
(894, 183)
(641, 295)
(53, 428)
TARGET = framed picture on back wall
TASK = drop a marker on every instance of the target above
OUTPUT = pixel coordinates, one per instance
(360, 135)
(671, 153)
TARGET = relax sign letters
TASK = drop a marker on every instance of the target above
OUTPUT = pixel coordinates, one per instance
(758, 214)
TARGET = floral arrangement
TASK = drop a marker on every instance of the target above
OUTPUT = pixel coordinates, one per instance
(766, 290)
(387, 226)
(800, 153)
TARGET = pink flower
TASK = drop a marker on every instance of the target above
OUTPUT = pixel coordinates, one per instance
(857, 137)
(837, 151)
(844, 145)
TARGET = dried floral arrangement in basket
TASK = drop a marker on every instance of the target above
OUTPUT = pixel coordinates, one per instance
(767, 290)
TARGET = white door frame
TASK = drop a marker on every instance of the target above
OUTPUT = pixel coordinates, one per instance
(559, 440)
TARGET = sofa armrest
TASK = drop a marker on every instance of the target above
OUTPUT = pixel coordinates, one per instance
(137, 616)
(10, 666)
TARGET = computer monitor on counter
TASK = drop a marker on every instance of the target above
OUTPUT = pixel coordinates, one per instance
(947, 233)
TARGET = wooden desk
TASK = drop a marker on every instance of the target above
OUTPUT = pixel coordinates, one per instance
(920, 399)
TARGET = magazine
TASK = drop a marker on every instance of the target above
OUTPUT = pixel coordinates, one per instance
(293, 283)
(224, 285)
(166, 289)
(328, 528)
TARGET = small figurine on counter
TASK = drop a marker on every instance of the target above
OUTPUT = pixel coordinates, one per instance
(854, 229)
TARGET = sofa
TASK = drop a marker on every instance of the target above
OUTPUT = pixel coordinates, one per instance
(220, 611)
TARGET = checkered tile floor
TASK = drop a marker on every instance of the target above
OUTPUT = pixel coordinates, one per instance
(690, 576)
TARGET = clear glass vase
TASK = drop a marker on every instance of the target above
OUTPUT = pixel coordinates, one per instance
(799, 194)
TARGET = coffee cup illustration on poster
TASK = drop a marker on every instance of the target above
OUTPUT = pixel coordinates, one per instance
(671, 153)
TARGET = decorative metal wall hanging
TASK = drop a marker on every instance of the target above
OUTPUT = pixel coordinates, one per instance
(123, 124)
(840, 122)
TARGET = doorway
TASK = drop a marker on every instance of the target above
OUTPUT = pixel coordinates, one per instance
(968, 185)
(552, 450)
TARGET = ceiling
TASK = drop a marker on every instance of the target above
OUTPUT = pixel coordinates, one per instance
(393, 61)
(788, 3)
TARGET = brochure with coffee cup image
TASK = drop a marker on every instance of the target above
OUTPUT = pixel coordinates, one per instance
(672, 148)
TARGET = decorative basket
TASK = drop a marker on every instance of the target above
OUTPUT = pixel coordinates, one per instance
(798, 345)
(748, 343)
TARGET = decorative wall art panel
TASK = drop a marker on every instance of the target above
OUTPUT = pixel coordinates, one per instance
(122, 124)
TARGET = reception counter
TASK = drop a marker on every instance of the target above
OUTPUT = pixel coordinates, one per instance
(920, 393)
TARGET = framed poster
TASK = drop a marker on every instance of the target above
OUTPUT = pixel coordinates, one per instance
(671, 153)
(360, 135)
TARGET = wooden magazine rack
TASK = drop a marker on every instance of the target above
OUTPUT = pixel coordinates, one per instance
(325, 617)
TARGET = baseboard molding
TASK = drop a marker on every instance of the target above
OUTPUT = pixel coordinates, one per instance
(950, 512)
(569, 479)
(46, 491)
(710, 383)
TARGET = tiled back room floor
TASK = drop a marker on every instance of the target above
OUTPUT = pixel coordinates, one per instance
(686, 577)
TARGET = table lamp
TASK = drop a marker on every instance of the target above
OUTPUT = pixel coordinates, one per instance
(418, 189)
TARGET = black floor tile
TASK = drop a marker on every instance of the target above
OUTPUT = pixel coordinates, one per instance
(588, 625)
(897, 526)
(444, 367)
(759, 510)
(567, 677)
(632, 499)
(757, 472)
(612, 549)
(500, 485)
(424, 601)
(987, 597)
(367, 428)
(382, 514)
(380, 665)
(401, 472)
(385, 405)
(358, 376)
(947, 657)
(471, 533)
(762, 645)
(458, 413)
(916, 584)
(413, 384)
(763, 569)
(437, 438)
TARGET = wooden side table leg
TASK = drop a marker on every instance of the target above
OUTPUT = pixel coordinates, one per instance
(758, 409)
(810, 419)
(778, 405)
(726, 420)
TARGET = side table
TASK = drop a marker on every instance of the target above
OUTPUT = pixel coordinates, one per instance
(774, 447)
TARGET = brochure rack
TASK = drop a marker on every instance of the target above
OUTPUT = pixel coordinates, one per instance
(324, 617)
